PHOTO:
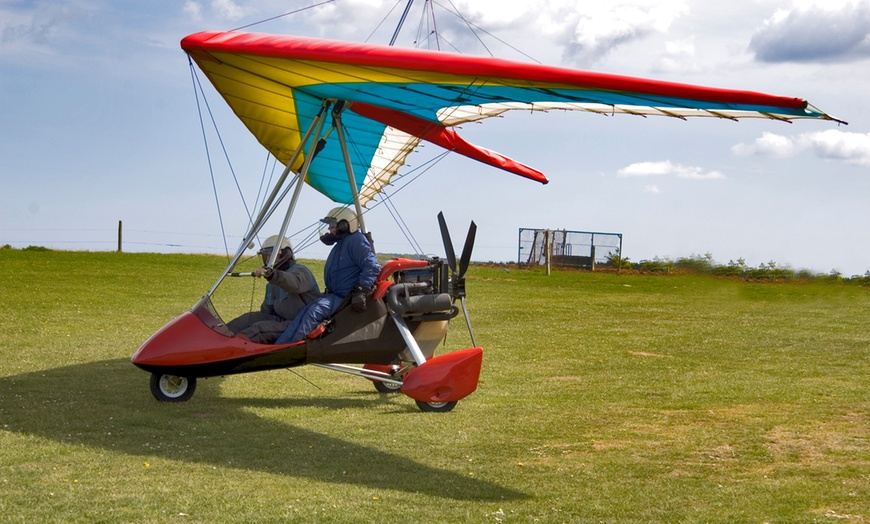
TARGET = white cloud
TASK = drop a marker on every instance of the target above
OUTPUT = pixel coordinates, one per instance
(497, 13)
(652, 189)
(696, 173)
(852, 148)
(832, 144)
(769, 144)
(667, 167)
(228, 9)
(194, 9)
(35, 30)
(645, 169)
(815, 31)
(595, 29)
(678, 53)
(585, 32)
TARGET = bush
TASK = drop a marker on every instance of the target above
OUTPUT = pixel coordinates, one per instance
(656, 265)
(615, 260)
(733, 269)
(696, 263)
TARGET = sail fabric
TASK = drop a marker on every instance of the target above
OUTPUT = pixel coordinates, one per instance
(395, 97)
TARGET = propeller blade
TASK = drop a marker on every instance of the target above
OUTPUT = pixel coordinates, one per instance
(466, 250)
(448, 244)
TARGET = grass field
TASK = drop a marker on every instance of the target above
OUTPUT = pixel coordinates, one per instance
(603, 398)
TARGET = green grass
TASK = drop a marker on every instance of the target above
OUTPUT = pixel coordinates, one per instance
(603, 398)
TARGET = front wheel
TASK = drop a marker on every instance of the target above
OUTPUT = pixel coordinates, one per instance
(435, 407)
(172, 388)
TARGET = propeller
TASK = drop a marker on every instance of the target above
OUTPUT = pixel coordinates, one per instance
(457, 279)
(448, 244)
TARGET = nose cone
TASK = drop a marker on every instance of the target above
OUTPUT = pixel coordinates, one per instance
(196, 344)
(187, 341)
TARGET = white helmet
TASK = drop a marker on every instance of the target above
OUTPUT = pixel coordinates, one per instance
(336, 215)
(269, 244)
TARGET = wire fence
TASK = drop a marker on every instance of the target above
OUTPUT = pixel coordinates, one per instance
(569, 247)
(109, 239)
(560, 247)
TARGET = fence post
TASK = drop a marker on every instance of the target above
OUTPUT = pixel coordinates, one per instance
(547, 248)
(119, 236)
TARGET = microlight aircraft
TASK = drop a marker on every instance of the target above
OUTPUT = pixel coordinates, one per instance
(376, 103)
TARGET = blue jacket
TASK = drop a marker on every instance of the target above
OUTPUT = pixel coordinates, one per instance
(350, 262)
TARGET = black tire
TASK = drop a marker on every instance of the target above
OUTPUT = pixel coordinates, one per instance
(387, 387)
(172, 388)
(436, 407)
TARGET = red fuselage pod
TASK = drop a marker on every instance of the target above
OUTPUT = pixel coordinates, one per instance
(445, 378)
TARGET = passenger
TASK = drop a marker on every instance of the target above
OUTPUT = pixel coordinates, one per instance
(291, 286)
(351, 269)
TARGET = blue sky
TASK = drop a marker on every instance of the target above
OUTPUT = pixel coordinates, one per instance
(99, 124)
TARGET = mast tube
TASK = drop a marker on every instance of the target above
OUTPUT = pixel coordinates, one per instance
(401, 22)
(339, 128)
(262, 217)
(300, 182)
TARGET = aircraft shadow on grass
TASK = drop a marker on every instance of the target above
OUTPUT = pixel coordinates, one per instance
(106, 404)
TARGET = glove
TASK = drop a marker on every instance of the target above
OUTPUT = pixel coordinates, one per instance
(358, 300)
(268, 273)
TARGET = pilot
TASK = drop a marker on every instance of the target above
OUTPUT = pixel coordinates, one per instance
(291, 287)
(351, 269)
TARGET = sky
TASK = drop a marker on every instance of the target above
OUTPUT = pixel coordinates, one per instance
(100, 124)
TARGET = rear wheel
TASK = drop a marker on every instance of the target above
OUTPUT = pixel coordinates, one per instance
(387, 387)
(435, 407)
(172, 388)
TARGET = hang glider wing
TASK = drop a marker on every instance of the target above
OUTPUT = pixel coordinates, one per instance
(397, 97)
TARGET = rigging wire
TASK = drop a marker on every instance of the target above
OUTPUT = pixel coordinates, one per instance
(375, 30)
(386, 198)
(261, 190)
(422, 29)
(283, 15)
(224, 149)
(208, 155)
(403, 227)
(468, 25)
(394, 212)
(429, 164)
(472, 26)
(310, 238)
(265, 184)
(434, 25)
(303, 378)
